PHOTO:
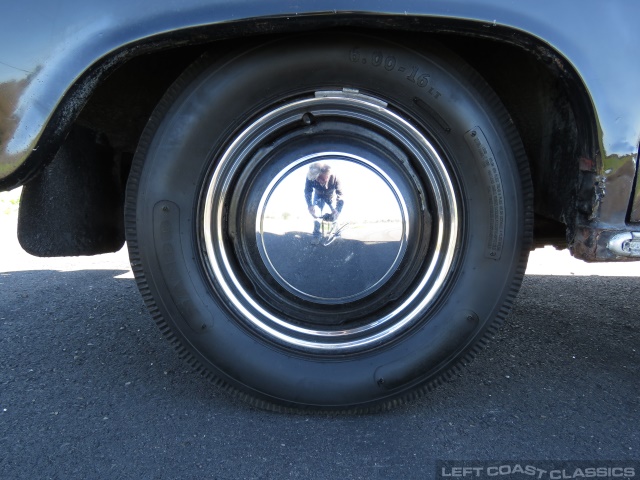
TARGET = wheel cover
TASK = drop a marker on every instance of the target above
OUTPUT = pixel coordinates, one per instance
(240, 229)
(286, 272)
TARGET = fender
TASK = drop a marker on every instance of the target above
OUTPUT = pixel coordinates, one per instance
(53, 60)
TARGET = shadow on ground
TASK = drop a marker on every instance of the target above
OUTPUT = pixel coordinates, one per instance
(90, 389)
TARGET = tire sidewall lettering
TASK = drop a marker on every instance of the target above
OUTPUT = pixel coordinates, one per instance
(413, 74)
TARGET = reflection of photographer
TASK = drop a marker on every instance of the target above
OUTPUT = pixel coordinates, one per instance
(322, 188)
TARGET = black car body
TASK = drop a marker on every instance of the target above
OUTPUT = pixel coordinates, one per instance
(79, 81)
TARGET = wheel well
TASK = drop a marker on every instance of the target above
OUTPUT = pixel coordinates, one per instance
(547, 103)
(553, 114)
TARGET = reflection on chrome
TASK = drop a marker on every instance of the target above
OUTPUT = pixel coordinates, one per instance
(297, 225)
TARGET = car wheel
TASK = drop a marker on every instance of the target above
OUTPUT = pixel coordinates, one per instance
(436, 223)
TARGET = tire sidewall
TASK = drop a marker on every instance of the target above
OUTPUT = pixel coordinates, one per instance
(209, 103)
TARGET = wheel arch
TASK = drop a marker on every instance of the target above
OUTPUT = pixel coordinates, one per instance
(115, 96)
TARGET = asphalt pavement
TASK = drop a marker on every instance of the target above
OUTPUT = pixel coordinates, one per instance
(89, 389)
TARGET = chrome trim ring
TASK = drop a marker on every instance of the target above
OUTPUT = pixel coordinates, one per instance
(426, 168)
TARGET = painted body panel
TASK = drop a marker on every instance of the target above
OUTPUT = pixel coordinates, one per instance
(47, 49)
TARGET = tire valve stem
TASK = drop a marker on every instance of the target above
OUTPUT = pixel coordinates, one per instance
(307, 119)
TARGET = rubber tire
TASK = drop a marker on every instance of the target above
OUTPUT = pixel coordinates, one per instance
(197, 118)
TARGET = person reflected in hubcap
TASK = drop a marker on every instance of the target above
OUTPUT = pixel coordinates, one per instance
(322, 188)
